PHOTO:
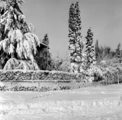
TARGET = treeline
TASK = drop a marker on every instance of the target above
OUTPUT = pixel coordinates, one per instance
(106, 52)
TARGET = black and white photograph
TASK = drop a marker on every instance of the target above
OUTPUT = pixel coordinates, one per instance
(60, 59)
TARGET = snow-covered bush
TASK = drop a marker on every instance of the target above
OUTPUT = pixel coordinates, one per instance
(112, 70)
(61, 64)
(94, 73)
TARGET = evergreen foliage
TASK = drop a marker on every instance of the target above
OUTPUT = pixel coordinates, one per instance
(90, 52)
(103, 53)
(97, 50)
(118, 52)
(16, 38)
(45, 61)
(46, 40)
(43, 56)
(75, 38)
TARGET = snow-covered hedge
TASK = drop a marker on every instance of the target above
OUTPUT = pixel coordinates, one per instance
(34, 88)
(38, 75)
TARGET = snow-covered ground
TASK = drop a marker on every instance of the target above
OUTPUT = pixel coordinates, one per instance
(91, 103)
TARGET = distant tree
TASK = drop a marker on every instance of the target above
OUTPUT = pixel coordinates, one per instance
(121, 56)
(75, 38)
(104, 53)
(113, 54)
(118, 52)
(17, 42)
(46, 40)
(97, 50)
(90, 52)
(107, 52)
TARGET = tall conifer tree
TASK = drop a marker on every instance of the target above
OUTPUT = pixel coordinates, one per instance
(118, 52)
(90, 53)
(75, 38)
(97, 50)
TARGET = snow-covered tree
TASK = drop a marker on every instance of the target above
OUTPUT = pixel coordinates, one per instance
(90, 52)
(75, 38)
(17, 41)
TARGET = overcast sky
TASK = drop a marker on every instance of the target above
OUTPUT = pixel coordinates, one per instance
(51, 17)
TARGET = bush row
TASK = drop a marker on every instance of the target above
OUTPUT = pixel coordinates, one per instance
(34, 88)
(37, 75)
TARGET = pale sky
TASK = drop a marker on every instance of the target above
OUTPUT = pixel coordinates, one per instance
(51, 17)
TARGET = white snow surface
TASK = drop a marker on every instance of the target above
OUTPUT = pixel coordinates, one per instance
(91, 103)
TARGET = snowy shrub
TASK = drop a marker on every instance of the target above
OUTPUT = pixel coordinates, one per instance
(61, 64)
(94, 73)
(112, 70)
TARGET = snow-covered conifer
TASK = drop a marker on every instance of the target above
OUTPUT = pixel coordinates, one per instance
(16, 38)
(75, 38)
(90, 52)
